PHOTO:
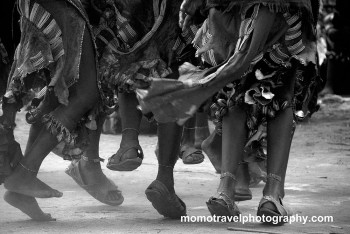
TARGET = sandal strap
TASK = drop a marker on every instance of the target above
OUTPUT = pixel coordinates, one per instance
(274, 176)
(227, 199)
(190, 128)
(278, 204)
(95, 160)
(228, 174)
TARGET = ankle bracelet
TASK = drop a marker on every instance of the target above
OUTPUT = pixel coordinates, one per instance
(228, 174)
(202, 127)
(95, 160)
(189, 128)
(27, 168)
(166, 166)
(274, 176)
(134, 129)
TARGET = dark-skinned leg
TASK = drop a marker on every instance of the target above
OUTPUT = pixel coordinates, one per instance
(169, 137)
(82, 98)
(202, 129)
(212, 147)
(26, 204)
(188, 135)
(161, 192)
(280, 132)
(188, 151)
(91, 171)
(130, 120)
(233, 140)
(234, 134)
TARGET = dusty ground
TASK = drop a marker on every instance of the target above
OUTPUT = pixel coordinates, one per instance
(318, 182)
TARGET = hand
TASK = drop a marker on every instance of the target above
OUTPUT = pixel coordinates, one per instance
(187, 10)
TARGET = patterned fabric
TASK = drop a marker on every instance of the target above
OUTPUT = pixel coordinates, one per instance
(123, 63)
(47, 43)
(71, 144)
(51, 48)
(270, 74)
(231, 40)
(259, 63)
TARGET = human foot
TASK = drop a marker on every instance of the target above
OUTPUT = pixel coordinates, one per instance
(224, 203)
(88, 175)
(25, 182)
(27, 205)
(130, 154)
(271, 204)
(191, 155)
(166, 202)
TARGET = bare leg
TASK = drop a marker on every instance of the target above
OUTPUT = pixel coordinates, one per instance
(102, 188)
(202, 129)
(131, 119)
(279, 139)
(129, 155)
(82, 98)
(27, 205)
(161, 192)
(189, 153)
(169, 142)
(212, 147)
(188, 135)
(233, 140)
(195, 131)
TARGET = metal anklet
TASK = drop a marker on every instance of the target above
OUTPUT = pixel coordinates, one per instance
(202, 127)
(134, 129)
(189, 128)
(95, 160)
(166, 166)
(27, 168)
(228, 174)
(274, 176)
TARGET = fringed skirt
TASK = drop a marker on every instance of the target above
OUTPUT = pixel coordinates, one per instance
(50, 51)
(260, 65)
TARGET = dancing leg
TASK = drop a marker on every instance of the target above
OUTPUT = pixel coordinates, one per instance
(233, 141)
(82, 98)
(161, 192)
(280, 132)
(130, 155)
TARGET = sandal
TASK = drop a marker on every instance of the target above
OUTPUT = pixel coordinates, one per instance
(223, 205)
(191, 155)
(98, 191)
(166, 203)
(280, 209)
(115, 162)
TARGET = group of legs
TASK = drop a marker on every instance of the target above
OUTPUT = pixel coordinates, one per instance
(23, 185)
(23, 182)
(130, 154)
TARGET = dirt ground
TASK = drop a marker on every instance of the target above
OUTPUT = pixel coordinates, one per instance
(317, 184)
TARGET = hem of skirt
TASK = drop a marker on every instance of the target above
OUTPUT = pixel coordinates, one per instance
(58, 130)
